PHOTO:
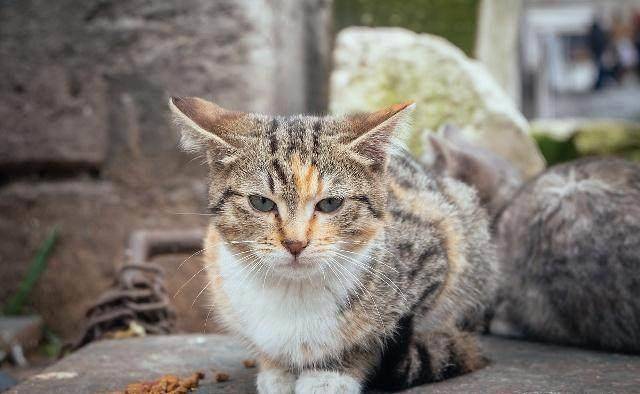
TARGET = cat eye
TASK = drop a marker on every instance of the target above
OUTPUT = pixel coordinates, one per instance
(329, 205)
(261, 203)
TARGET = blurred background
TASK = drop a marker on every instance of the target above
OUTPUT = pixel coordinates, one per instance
(92, 181)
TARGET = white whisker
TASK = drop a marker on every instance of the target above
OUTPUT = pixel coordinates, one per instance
(371, 257)
(201, 291)
(189, 258)
(191, 278)
(376, 273)
(364, 289)
(206, 320)
(192, 213)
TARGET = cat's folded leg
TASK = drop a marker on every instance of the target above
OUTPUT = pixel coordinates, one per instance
(428, 357)
(274, 380)
(452, 353)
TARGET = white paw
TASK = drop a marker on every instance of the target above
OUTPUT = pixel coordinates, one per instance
(275, 381)
(325, 382)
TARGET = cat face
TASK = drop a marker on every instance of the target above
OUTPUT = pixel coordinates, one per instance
(298, 195)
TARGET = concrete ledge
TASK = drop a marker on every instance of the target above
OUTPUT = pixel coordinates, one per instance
(516, 367)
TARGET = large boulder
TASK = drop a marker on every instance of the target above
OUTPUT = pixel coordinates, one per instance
(375, 67)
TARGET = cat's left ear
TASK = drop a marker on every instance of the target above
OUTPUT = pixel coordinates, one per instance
(374, 132)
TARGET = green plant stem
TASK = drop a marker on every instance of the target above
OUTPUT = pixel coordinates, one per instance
(36, 268)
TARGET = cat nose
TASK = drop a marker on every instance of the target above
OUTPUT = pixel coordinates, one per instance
(295, 247)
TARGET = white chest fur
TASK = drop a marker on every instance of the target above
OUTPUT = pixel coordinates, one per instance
(294, 321)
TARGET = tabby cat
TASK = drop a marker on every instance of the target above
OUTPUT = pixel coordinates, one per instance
(570, 246)
(339, 260)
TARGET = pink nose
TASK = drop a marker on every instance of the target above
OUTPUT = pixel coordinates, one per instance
(295, 247)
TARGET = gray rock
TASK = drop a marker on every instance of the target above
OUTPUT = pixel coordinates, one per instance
(515, 367)
(49, 122)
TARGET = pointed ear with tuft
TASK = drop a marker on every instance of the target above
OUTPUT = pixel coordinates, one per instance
(206, 127)
(374, 132)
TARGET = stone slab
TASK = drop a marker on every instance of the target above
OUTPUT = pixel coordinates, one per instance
(516, 367)
(49, 123)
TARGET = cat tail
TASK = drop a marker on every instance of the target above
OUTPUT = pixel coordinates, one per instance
(427, 357)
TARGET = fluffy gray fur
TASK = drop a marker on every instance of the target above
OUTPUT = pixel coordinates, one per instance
(569, 243)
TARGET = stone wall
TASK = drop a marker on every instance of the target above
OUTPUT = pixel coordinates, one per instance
(84, 138)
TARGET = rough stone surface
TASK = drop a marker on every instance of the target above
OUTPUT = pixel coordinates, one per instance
(375, 67)
(85, 140)
(62, 126)
(515, 367)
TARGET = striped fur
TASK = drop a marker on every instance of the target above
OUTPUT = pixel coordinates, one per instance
(378, 295)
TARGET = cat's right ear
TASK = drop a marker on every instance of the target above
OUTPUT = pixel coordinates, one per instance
(207, 127)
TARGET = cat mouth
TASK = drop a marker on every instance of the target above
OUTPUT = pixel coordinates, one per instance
(298, 265)
(294, 263)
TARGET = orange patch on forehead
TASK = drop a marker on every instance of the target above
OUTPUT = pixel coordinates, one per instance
(306, 178)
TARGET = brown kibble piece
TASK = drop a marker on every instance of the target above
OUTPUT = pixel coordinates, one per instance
(192, 381)
(222, 377)
(167, 384)
(249, 363)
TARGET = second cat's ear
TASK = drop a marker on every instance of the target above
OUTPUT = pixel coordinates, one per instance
(374, 132)
(206, 127)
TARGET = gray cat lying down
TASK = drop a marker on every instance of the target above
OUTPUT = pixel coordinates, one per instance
(569, 245)
(495, 179)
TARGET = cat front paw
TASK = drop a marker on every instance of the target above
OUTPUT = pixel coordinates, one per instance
(326, 382)
(275, 381)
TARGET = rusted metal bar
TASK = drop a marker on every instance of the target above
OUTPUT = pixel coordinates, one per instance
(139, 293)
(145, 244)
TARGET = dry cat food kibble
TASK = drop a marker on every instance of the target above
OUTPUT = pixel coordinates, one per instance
(222, 377)
(249, 363)
(167, 384)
